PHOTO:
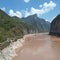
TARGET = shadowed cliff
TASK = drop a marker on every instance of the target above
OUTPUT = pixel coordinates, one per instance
(55, 26)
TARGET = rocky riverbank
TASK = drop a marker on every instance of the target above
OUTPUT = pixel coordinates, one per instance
(9, 52)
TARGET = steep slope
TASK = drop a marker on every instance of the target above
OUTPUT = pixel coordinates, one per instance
(55, 26)
(27, 28)
(39, 24)
(11, 28)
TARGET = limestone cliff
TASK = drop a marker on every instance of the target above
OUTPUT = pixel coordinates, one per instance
(55, 26)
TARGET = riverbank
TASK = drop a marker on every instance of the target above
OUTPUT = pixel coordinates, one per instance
(9, 52)
(39, 46)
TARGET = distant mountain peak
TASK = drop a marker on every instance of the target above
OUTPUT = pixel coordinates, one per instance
(39, 24)
(35, 15)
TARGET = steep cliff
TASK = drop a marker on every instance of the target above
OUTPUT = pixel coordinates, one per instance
(55, 26)
(39, 24)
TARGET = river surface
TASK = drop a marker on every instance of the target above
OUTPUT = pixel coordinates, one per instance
(39, 47)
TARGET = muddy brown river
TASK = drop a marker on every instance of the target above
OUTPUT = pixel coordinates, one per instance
(39, 47)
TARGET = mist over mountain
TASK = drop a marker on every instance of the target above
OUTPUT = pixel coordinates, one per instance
(39, 24)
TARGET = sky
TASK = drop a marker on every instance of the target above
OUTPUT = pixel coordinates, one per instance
(46, 9)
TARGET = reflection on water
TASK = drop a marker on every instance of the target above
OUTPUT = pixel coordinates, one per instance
(39, 47)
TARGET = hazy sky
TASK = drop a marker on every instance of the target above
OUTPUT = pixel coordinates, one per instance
(46, 9)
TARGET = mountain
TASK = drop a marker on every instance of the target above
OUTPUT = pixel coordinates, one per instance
(55, 26)
(39, 24)
(12, 28)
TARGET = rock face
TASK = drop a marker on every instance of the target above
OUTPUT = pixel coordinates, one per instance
(39, 24)
(9, 52)
(14, 27)
(55, 26)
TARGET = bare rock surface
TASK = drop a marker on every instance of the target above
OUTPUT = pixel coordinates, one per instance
(9, 52)
(55, 26)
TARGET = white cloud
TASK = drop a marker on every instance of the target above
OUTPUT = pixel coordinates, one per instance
(17, 13)
(26, 1)
(3, 8)
(44, 8)
(27, 13)
(40, 6)
(51, 4)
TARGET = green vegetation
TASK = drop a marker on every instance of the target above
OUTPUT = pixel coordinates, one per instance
(11, 27)
(4, 44)
(39, 24)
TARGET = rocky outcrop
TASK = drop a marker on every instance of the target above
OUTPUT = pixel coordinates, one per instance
(9, 52)
(39, 24)
(55, 26)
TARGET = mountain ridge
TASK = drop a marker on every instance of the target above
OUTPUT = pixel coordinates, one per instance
(13, 28)
(37, 22)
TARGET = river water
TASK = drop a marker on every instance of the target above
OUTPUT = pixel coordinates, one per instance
(39, 47)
